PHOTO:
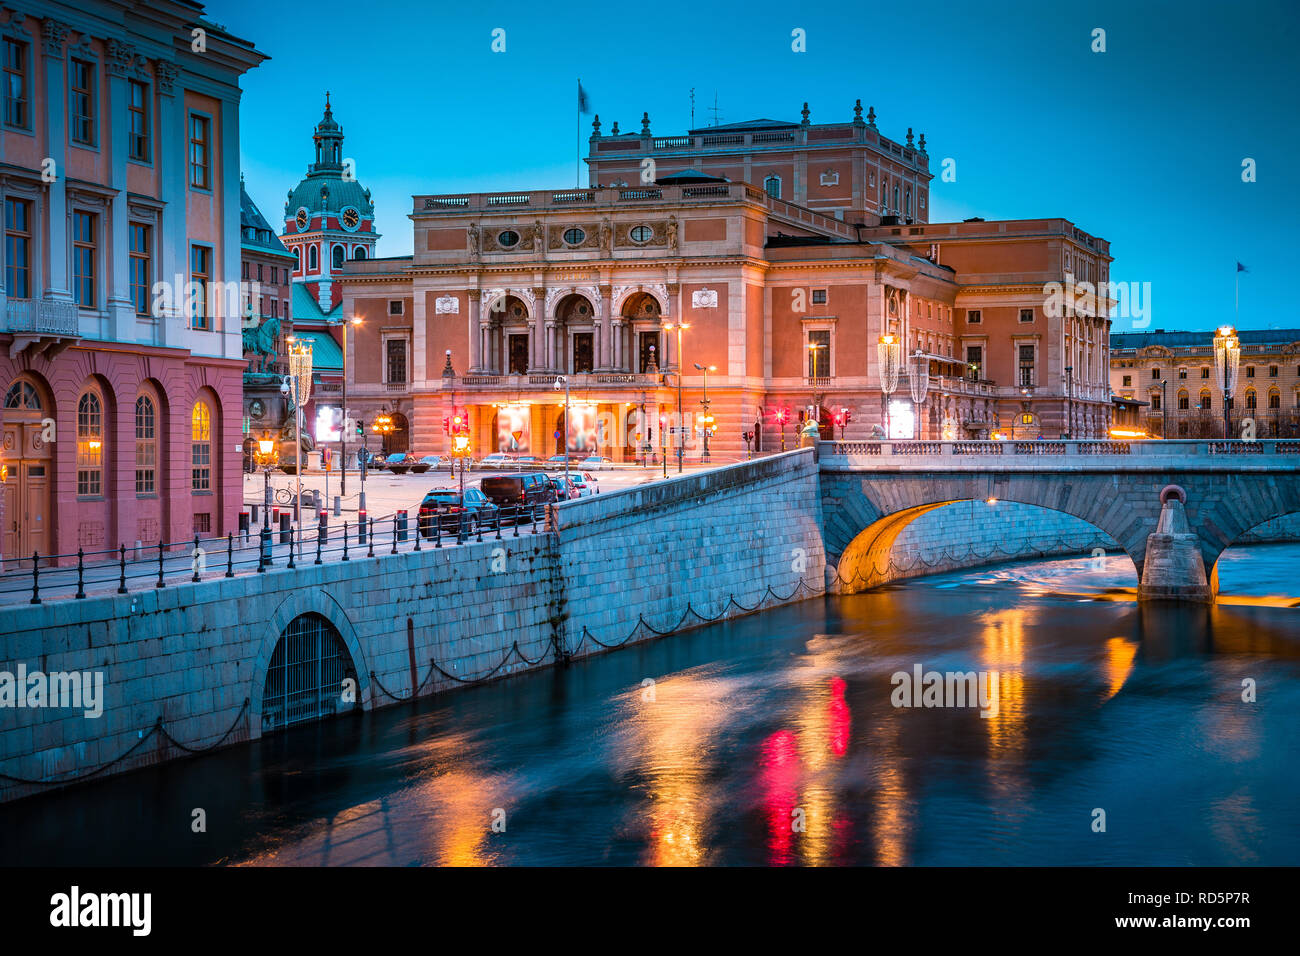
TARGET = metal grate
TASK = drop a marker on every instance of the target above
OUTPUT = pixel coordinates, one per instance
(305, 679)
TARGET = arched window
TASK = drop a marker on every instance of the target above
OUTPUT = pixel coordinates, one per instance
(146, 446)
(360, 253)
(1183, 400)
(312, 261)
(884, 198)
(337, 257)
(773, 186)
(1205, 399)
(896, 206)
(1251, 401)
(297, 258)
(1274, 398)
(201, 447)
(90, 444)
(23, 395)
(907, 201)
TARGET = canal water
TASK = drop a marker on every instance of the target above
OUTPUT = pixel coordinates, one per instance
(773, 740)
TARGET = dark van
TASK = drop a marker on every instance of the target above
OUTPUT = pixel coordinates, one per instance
(519, 494)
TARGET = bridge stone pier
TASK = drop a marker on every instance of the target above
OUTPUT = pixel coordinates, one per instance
(871, 492)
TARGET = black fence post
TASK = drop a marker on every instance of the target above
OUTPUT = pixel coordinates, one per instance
(437, 529)
(345, 541)
(36, 578)
(194, 557)
(160, 565)
(394, 551)
(291, 565)
(514, 516)
(419, 529)
(121, 584)
(318, 543)
(230, 555)
(81, 573)
(371, 535)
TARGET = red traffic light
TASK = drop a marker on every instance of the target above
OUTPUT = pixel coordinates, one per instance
(446, 424)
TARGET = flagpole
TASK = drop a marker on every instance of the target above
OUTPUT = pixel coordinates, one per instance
(577, 160)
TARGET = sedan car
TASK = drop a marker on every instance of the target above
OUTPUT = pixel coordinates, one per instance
(585, 483)
(596, 463)
(565, 489)
(445, 506)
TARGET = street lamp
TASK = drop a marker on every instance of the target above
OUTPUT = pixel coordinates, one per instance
(889, 352)
(707, 418)
(347, 413)
(265, 457)
(1164, 407)
(681, 435)
(564, 432)
(918, 381)
(300, 378)
(1227, 354)
(781, 416)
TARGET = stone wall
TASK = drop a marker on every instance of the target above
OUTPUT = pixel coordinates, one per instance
(187, 664)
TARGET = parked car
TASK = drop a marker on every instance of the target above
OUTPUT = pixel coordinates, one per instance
(445, 507)
(596, 463)
(585, 483)
(497, 459)
(518, 495)
(399, 463)
(436, 462)
(565, 489)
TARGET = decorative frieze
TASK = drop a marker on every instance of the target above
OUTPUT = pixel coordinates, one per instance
(446, 305)
(166, 72)
(53, 33)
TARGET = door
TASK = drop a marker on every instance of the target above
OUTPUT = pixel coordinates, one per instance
(35, 495)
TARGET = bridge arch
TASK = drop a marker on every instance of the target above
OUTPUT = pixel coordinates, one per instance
(1265, 532)
(869, 560)
(299, 604)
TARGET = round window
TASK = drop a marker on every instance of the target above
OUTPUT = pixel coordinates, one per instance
(641, 233)
(508, 238)
(574, 236)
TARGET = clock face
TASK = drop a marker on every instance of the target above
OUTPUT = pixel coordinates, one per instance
(350, 218)
(302, 219)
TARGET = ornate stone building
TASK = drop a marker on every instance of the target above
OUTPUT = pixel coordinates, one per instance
(121, 357)
(783, 305)
(1173, 375)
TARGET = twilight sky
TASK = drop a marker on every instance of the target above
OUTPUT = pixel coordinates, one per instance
(1142, 144)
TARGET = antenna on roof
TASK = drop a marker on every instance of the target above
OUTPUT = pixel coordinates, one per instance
(692, 107)
(714, 108)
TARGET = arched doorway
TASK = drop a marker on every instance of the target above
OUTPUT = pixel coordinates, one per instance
(306, 677)
(507, 336)
(399, 439)
(28, 439)
(642, 318)
(575, 319)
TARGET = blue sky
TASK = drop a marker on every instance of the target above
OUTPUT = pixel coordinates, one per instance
(1142, 144)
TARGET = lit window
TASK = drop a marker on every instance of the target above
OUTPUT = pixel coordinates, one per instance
(201, 448)
(146, 445)
(90, 445)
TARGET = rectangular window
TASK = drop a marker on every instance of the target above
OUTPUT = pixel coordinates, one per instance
(200, 152)
(275, 308)
(974, 317)
(394, 306)
(259, 272)
(18, 248)
(1026, 315)
(1128, 380)
(200, 273)
(16, 84)
(819, 353)
(141, 268)
(1155, 374)
(974, 362)
(83, 259)
(202, 522)
(81, 119)
(201, 448)
(1182, 373)
(1272, 371)
(1155, 402)
(395, 350)
(146, 446)
(582, 352)
(1205, 372)
(1026, 353)
(1250, 371)
(819, 296)
(138, 129)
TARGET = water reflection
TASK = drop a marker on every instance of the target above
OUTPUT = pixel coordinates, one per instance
(773, 740)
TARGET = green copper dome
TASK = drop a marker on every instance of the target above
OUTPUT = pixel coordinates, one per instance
(330, 186)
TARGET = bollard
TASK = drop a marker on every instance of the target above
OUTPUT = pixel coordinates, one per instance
(338, 507)
(243, 522)
(160, 566)
(401, 526)
(514, 515)
(394, 551)
(292, 547)
(230, 555)
(254, 508)
(121, 585)
(265, 548)
(194, 558)
(370, 533)
(437, 529)
(286, 535)
(322, 529)
(36, 576)
(361, 526)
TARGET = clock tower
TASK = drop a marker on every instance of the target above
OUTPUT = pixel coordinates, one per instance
(328, 219)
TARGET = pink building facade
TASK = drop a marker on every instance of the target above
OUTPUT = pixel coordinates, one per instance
(120, 349)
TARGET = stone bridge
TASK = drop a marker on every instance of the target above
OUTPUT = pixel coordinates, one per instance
(871, 491)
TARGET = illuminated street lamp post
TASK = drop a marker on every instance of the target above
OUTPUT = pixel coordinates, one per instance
(347, 413)
(564, 432)
(707, 419)
(265, 457)
(681, 435)
(383, 427)
(300, 381)
(781, 416)
(889, 352)
(1227, 355)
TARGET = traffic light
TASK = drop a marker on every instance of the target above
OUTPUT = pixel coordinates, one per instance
(746, 436)
(847, 415)
(361, 428)
(459, 424)
(446, 424)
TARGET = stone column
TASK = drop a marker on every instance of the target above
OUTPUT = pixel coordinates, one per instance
(548, 360)
(474, 335)
(53, 35)
(600, 350)
(121, 309)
